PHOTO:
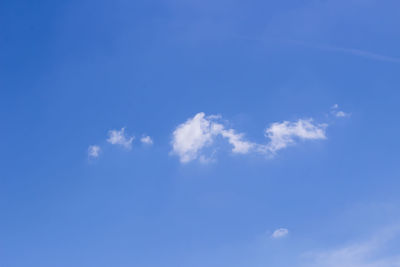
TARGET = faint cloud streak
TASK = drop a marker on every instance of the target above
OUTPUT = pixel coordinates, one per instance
(352, 51)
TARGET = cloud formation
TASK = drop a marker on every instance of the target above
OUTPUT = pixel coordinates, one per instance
(119, 138)
(280, 233)
(370, 253)
(283, 134)
(192, 137)
(94, 151)
(236, 140)
(338, 113)
(146, 140)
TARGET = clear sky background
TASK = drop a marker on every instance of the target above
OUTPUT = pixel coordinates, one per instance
(71, 72)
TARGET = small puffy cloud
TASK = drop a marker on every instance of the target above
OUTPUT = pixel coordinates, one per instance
(338, 113)
(282, 134)
(280, 233)
(146, 140)
(94, 151)
(119, 138)
(191, 137)
(341, 114)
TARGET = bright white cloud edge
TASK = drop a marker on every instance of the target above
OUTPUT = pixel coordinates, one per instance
(280, 233)
(190, 138)
(146, 140)
(286, 133)
(120, 138)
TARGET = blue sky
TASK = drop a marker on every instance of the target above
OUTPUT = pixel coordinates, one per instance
(199, 133)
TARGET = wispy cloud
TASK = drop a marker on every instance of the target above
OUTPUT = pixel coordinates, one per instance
(338, 113)
(94, 151)
(283, 134)
(146, 140)
(120, 138)
(351, 51)
(280, 233)
(237, 141)
(370, 253)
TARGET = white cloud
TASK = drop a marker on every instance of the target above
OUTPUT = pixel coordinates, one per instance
(94, 151)
(192, 136)
(236, 140)
(119, 138)
(279, 233)
(370, 253)
(341, 114)
(146, 140)
(338, 113)
(282, 134)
